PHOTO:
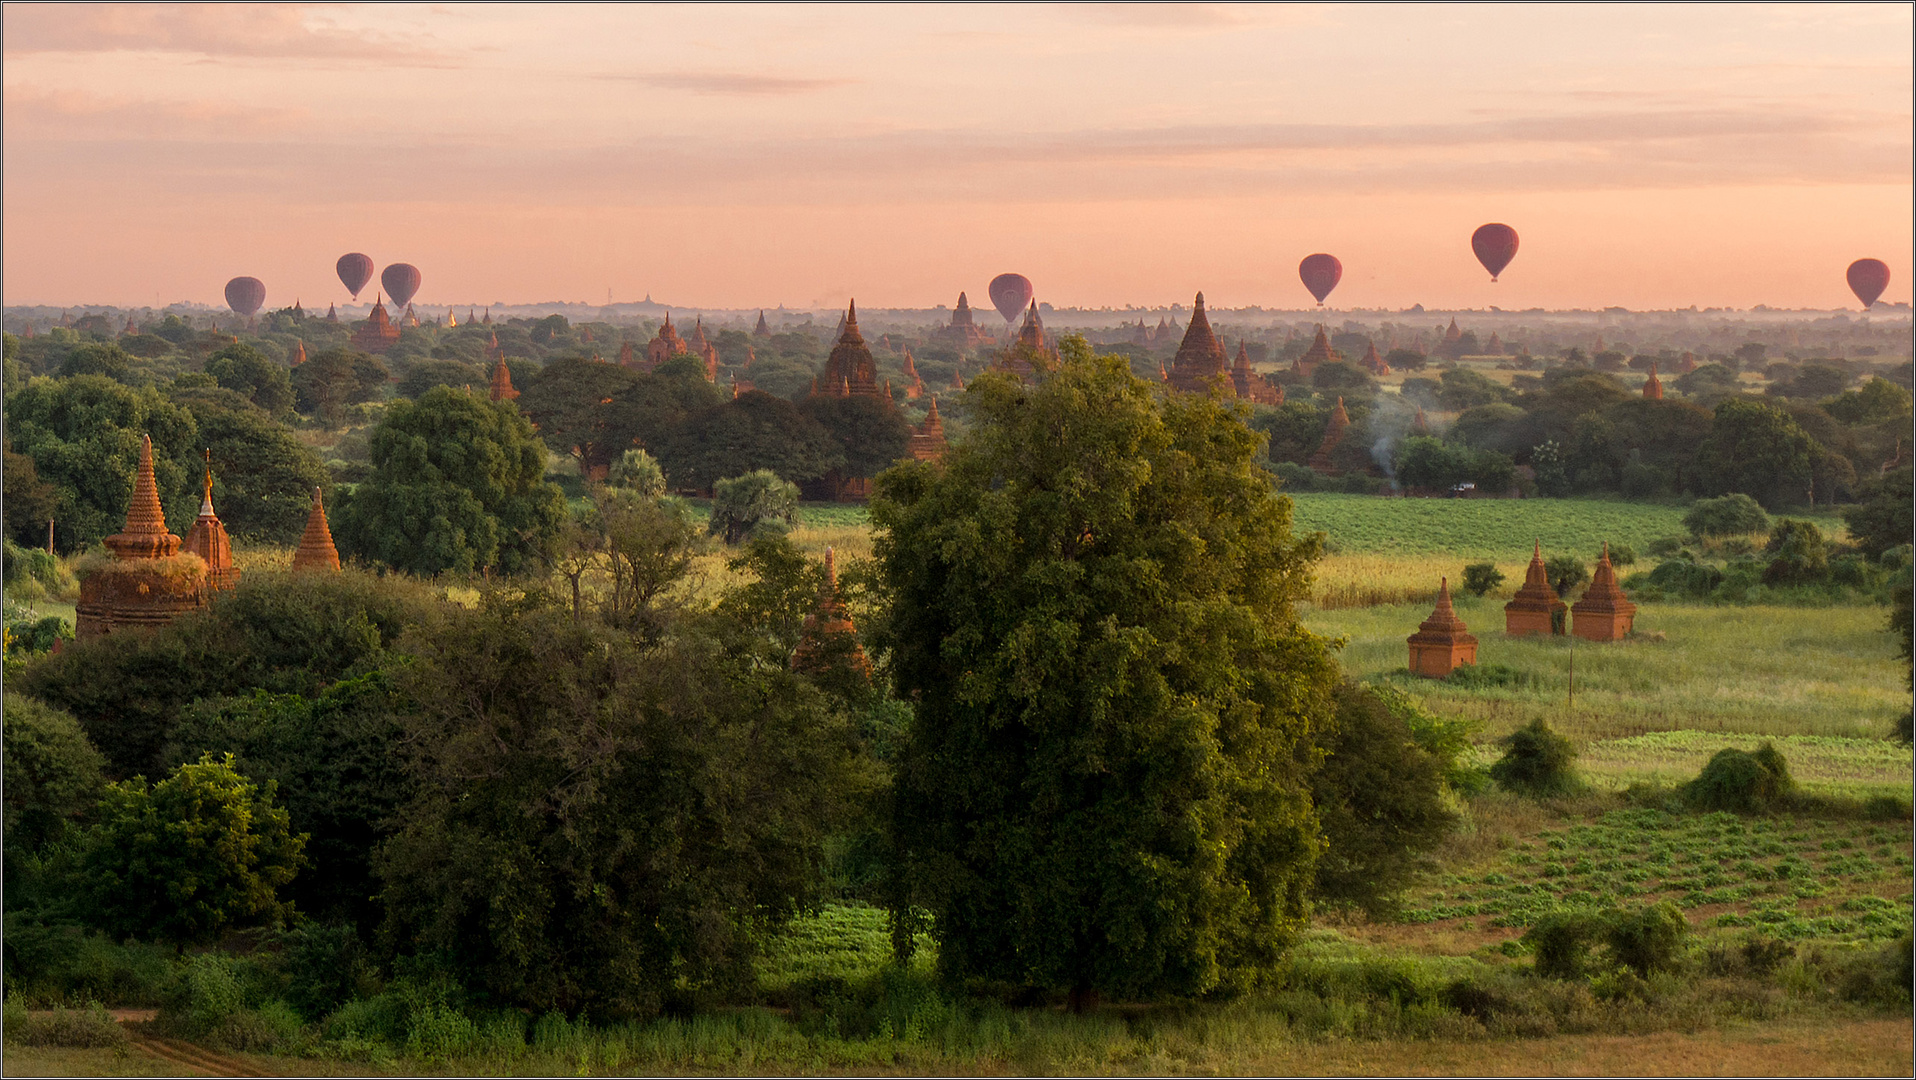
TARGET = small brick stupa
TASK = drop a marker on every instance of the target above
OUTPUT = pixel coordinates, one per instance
(1333, 434)
(1536, 609)
(207, 539)
(1652, 386)
(1441, 642)
(147, 582)
(316, 552)
(502, 388)
(1604, 613)
(928, 439)
(828, 638)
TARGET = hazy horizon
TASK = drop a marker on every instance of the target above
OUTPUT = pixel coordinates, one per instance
(1652, 158)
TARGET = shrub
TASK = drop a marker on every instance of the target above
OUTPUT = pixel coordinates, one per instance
(1561, 942)
(326, 966)
(742, 503)
(1622, 554)
(1648, 939)
(1726, 516)
(1536, 761)
(1665, 546)
(1480, 578)
(52, 773)
(1741, 781)
(84, 1028)
(1798, 554)
(1565, 572)
(1680, 577)
(1487, 676)
(637, 470)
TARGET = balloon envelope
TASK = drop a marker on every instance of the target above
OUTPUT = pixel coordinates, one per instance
(355, 270)
(245, 294)
(1009, 294)
(401, 281)
(1495, 246)
(1867, 279)
(1320, 273)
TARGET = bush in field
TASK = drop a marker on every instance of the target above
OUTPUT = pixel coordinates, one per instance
(743, 503)
(1649, 939)
(1480, 578)
(1729, 515)
(1621, 554)
(1379, 799)
(87, 1028)
(1742, 781)
(187, 858)
(1565, 572)
(1536, 761)
(1798, 554)
(1561, 942)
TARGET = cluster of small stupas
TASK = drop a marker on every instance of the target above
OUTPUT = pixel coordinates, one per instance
(667, 344)
(155, 577)
(851, 371)
(1442, 642)
(828, 638)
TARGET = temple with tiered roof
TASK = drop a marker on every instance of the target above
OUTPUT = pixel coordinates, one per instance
(1536, 609)
(666, 345)
(1200, 366)
(377, 333)
(148, 581)
(928, 438)
(1442, 642)
(316, 553)
(1604, 613)
(1318, 353)
(850, 370)
(963, 330)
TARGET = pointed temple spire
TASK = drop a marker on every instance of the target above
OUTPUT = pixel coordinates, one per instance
(145, 535)
(1652, 387)
(332, 313)
(316, 552)
(299, 352)
(1442, 642)
(1318, 353)
(208, 539)
(1536, 609)
(143, 586)
(1604, 613)
(828, 641)
(763, 329)
(1333, 434)
(1200, 365)
(502, 388)
(928, 438)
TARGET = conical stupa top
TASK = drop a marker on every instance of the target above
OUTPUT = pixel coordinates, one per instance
(332, 313)
(145, 535)
(316, 550)
(1243, 362)
(1535, 574)
(963, 304)
(850, 334)
(1443, 620)
(931, 415)
(299, 353)
(1338, 416)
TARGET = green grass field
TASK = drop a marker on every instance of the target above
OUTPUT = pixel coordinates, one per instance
(1745, 670)
(1498, 530)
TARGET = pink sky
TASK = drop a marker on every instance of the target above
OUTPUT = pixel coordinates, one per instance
(747, 156)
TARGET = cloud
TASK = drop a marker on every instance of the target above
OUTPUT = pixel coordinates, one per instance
(242, 31)
(40, 113)
(732, 83)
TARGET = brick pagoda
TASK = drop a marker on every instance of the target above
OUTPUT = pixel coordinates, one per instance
(1441, 642)
(1200, 366)
(928, 438)
(666, 345)
(316, 553)
(963, 331)
(1652, 386)
(1536, 609)
(148, 582)
(1333, 434)
(1318, 353)
(1604, 613)
(207, 539)
(377, 333)
(828, 638)
(502, 388)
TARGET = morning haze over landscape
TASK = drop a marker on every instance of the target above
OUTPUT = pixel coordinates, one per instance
(1047, 539)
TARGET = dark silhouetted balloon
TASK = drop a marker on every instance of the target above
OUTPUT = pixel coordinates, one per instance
(1321, 273)
(355, 270)
(401, 281)
(1495, 246)
(1009, 294)
(245, 294)
(1867, 279)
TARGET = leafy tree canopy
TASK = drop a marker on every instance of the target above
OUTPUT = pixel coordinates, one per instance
(1106, 786)
(247, 371)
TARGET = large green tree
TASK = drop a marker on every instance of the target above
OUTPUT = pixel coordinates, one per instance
(606, 824)
(1107, 787)
(1755, 449)
(83, 434)
(247, 371)
(458, 484)
(328, 382)
(263, 476)
(870, 431)
(754, 431)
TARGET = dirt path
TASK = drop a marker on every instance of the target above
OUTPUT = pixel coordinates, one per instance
(200, 1060)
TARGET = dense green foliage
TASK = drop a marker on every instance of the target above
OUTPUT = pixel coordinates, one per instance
(1727, 515)
(182, 860)
(457, 485)
(1106, 787)
(53, 775)
(743, 503)
(1480, 578)
(1379, 801)
(1742, 781)
(1536, 761)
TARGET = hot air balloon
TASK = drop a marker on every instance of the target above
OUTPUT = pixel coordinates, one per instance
(245, 294)
(1320, 273)
(355, 270)
(1495, 246)
(1010, 293)
(1867, 279)
(401, 281)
